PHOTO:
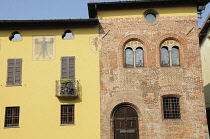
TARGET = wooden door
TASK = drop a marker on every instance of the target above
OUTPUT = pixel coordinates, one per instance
(126, 123)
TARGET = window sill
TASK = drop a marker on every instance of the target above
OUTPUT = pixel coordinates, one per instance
(67, 124)
(172, 121)
(11, 127)
(12, 85)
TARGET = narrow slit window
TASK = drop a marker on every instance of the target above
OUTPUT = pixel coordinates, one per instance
(68, 35)
(175, 56)
(12, 117)
(129, 57)
(139, 57)
(164, 56)
(15, 36)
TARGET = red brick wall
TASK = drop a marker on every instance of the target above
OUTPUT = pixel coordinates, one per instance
(144, 87)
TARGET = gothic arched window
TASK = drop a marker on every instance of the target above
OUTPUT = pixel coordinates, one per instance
(175, 56)
(129, 57)
(134, 54)
(164, 56)
(139, 57)
(170, 53)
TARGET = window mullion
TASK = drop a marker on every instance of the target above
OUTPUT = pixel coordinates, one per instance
(134, 58)
(170, 59)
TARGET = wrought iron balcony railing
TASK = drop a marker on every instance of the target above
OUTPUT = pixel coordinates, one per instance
(67, 89)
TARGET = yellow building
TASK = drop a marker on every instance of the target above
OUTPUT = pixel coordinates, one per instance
(132, 70)
(204, 36)
(49, 86)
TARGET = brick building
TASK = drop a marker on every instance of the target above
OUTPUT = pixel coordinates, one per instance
(150, 69)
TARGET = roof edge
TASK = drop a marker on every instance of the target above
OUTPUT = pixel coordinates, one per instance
(94, 6)
(16, 24)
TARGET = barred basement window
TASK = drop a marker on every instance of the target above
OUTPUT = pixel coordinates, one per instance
(67, 114)
(12, 117)
(171, 108)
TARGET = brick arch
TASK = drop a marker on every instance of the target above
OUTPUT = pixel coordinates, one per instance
(179, 39)
(123, 104)
(116, 107)
(128, 38)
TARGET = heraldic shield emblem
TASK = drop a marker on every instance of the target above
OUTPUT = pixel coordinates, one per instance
(95, 44)
(43, 48)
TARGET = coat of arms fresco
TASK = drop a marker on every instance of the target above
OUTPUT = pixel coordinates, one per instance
(43, 48)
(95, 44)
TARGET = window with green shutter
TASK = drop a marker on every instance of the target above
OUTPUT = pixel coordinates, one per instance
(14, 72)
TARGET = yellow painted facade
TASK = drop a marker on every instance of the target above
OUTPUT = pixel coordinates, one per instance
(205, 57)
(39, 107)
(172, 11)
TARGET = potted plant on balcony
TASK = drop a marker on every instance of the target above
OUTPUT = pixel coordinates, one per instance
(65, 81)
(67, 87)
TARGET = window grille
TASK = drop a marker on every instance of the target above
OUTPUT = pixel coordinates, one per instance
(12, 116)
(67, 114)
(171, 108)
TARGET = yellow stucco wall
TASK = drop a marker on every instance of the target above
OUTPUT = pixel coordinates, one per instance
(205, 58)
(39, 107)
(172, 11)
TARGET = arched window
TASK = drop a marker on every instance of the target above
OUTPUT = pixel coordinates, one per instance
(175, 56)
(15, 36)
(164, 56)
(129, 57)
(139, 57)
(68, 35)
(170, 53)
(134, 54)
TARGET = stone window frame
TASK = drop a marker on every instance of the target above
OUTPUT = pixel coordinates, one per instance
(151, 11)
(133, 45)
(169, 44)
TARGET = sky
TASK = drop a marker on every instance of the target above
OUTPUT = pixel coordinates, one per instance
(53, 9)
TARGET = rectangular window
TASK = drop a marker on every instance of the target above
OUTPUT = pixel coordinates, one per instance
(68, 68)
(12, 117)
(14, 71)
(171, 108)
(67, 114)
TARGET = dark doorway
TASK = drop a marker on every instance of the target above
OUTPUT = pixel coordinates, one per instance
(208, 117)
(126, 123)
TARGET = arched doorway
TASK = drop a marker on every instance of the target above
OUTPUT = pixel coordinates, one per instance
(125, 120)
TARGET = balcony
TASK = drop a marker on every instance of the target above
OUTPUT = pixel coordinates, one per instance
(66, 88)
